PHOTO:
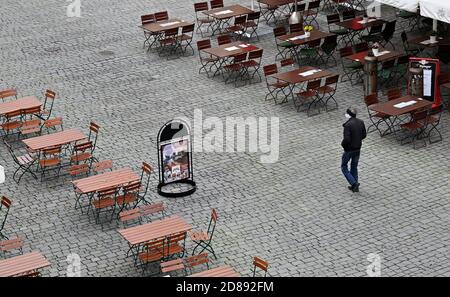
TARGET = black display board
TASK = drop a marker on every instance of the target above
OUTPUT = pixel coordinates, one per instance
(431, 72)
(175, 159)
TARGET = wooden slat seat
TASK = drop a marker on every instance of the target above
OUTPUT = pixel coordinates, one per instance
(11, 125)
(126, 199)
(53, 122)
(80, 157)
(31, 126)
(128, 215)
(76, 170)
(153, 251)
(152, 208)
(11, 244)
(196, 260)
(103, 203)
(198, 235)
(25, 159)
(49, 162)
(173, 265)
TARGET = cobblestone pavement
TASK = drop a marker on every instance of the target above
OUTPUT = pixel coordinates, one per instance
(296, 213)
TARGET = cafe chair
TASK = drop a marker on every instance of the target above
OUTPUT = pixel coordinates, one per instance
(258, 263)
(24, 162)
(309, 97)
(208, 62)
(433, 121)
(376, 118)
(416, 128)
(275, 86)
(7, 93)
(203, 239)
(5, 205)
(328, 90)
(201, 20)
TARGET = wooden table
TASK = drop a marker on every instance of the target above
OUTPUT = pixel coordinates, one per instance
(356, 25)
(314, 35)
(222, 271)
(19, 104)
(105, 180)
(422, 41)
(293, 77)
(274, 5)
(56, 139)
(223, 14)
(277, 2)
(359, 57)
(162, 26)
(155, 230)
(22, 264)
(389, 108)
(224, 51)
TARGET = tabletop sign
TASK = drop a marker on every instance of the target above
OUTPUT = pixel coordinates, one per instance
(2, 174)
(431, 71)
(175, 158)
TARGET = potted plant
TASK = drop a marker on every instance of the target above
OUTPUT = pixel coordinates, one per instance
(433, 37)
(365, 17)
(308, 30)
(375, 48)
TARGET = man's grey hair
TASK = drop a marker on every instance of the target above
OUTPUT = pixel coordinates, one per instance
(353, 110)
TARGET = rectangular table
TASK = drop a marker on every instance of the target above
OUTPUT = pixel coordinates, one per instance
(105, 180)
(56, 139)
(22, 264)
(19, 104)
(423, 41)
(359, 57)
(356, 27)
(161, 26)
(389, 108)
(272, 6)
(223, 14)
(155, 230)
(230, 49)
(314, 35)
(222, 271)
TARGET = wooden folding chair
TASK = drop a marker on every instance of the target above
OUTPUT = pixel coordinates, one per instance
(10, 245)
(203, 239)
(261, 264)
(5, 206)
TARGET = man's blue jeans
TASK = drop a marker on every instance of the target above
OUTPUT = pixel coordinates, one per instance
(352, 175)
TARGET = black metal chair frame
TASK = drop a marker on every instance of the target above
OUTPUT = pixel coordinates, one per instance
(207, 244)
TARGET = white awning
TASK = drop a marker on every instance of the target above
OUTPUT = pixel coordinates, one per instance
(436, 9)
(408, 5)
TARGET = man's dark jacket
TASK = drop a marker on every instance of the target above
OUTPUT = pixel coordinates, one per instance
(354, 133)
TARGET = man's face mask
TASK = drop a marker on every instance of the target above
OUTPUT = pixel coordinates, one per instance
(347, 116)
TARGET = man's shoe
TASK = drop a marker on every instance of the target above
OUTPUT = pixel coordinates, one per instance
(355, 188)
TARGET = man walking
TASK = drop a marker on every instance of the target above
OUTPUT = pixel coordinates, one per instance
(354, 133)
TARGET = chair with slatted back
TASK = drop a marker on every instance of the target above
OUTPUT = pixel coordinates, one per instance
(5, 206)
(207, 61)
(194, 261)
(251, 25)
(83, 151)
(53, 124)
(168, 43)
(150, 37)
(348, 14)
(332, 21)
(238, 28)
(7, 93)
(203, 239)
(12, 123)
(361, 47)
(152, 252)
(186, 37)
(328, 48)
(252, 65)
(202, 20)
(170, 266)
(287, 63)
(224, 39)
(376, 118)
(261, 264)
(31, 123)
(175, 246)
(161, 16)
(11, 245)
(283, 47)
(24, 162)
(216, 4)
(416, 128)
(295, 28)
(151, 209)
(351, 69)
(310, 15)
(102, 166)
(433, 121)
(47, 107)
(386, 73)
(274, 86)
(308, 97)
(129, 196)
(146, 175)
(78, 171)
(234, 70)
(126, 217)
(400, 71)
(394, 93)
(374, 34)
(104, 202)
(50, 160)
(328, 90)
(310, 54)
